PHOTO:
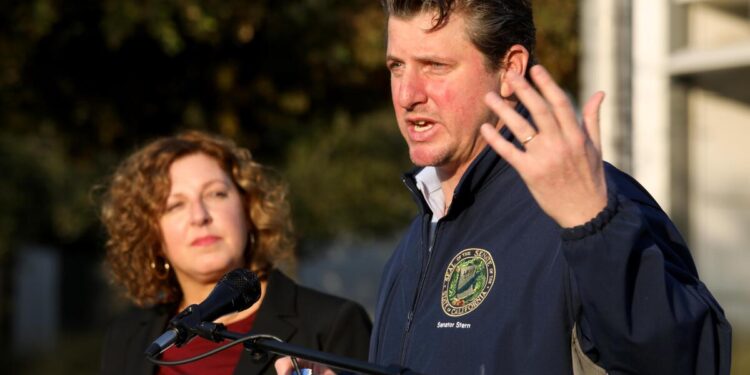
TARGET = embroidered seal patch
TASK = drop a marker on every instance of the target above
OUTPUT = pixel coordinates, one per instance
(468, 279)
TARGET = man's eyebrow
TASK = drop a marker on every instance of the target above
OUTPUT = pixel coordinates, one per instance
(422, 59)
(432, 58)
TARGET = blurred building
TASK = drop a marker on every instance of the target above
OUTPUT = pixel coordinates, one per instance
(677, 117)
(36, 305)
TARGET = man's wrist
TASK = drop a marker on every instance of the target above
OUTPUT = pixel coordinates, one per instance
(597, 223)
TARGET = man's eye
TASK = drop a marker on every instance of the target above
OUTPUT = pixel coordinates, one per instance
(395, 65)
(438, 66)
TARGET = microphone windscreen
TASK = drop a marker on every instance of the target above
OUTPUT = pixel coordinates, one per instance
(247, 283)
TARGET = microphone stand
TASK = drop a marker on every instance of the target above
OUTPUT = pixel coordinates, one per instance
(261, 345)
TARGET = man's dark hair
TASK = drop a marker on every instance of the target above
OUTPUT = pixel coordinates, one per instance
(492, 25)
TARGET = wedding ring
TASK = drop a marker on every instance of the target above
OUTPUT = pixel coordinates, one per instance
(528, 139)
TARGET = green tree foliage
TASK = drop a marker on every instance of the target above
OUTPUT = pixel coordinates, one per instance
(301, 83)
(557, 41)
(99, 78)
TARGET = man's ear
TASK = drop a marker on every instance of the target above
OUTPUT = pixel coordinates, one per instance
(517, 60)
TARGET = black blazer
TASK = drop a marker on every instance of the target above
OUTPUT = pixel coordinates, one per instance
(290, 312)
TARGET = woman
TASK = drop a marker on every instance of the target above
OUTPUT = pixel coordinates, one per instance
(180, 213)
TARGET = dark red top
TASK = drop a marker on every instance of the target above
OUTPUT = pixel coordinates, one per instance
(221, 363)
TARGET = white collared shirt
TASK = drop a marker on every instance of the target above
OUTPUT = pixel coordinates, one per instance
(429, 184)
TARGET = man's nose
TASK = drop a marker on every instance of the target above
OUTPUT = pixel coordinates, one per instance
(411, 90)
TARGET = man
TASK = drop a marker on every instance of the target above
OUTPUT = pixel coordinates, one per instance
(530, 256)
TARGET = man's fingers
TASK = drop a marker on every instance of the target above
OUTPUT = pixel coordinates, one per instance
(591, 118)
(540, 110)
(517, 124)
(284, 366)
(557, 99)
(322, 370)
(505, 149)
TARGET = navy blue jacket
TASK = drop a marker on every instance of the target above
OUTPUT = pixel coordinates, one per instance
(625, 281)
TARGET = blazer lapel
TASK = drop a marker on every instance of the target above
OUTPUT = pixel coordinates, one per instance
(276, 316)
(151, 325)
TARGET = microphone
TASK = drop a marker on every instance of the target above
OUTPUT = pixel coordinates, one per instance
(236, 291)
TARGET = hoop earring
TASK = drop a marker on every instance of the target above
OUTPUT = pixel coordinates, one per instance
(165, 266)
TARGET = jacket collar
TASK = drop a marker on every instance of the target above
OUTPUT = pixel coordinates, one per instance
(483, 168)
(151, 324)
(276, 316)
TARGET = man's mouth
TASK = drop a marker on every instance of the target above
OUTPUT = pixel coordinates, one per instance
(422, 126)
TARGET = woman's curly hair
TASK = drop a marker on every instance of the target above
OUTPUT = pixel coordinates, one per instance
(136, 196)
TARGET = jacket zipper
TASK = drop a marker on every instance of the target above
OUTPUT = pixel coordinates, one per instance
(418, 294)
(422, 276)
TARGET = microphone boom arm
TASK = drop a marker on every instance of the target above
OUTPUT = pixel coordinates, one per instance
(262, 344)
(267, 345)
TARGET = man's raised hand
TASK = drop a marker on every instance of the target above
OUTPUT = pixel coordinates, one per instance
(561, 160)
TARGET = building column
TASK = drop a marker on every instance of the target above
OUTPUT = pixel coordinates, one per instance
(651, 104)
